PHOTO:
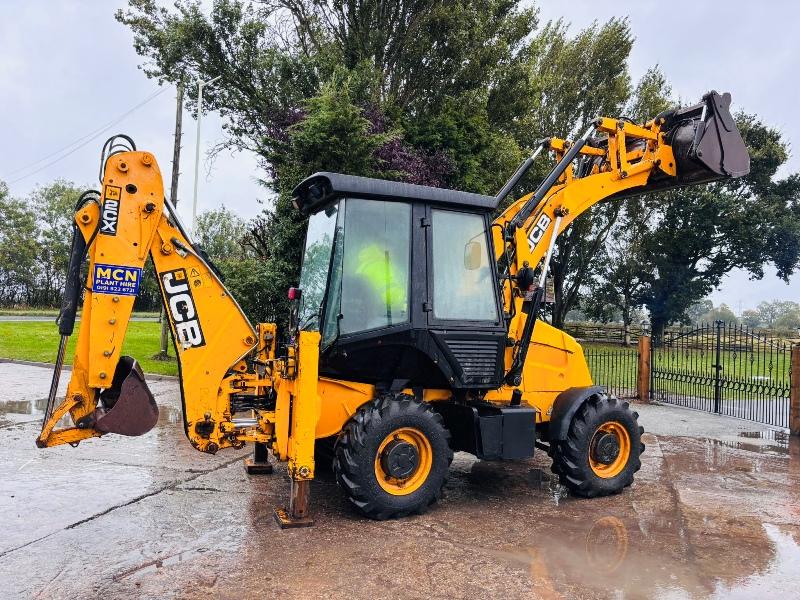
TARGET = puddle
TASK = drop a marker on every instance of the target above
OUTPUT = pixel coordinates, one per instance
(167, 414)
(780, 578)
(617, 558)
(763, 442)
(151, 566)
(23, 407)
(781, 437)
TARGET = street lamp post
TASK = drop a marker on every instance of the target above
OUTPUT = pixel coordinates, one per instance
(200, 86)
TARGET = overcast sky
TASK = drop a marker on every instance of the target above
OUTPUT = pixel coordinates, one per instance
(67, 68)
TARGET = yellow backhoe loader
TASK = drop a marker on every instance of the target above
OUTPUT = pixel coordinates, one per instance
(413, 331)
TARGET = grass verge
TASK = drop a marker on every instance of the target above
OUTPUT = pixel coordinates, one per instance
(53, 312)
(38, 341)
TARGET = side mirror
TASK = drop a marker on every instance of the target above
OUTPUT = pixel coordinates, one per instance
(472, 256)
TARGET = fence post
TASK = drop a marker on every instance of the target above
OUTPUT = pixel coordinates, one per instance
(718, 367)
(794, 393)
(643, 374)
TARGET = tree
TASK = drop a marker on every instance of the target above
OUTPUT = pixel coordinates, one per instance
(767, 313)
(18, 250)
(699, 234)
(591, 77)
(54, 207)
(751, 318)
(453, 93)
(611, 280)
(422, 51)
(223, 236)
(220, 233)
(696, 312)
(343, 86)
(35, 238)
(778, 314)
(789, 317)
(617, 284)
(722, 312)
(410, 55)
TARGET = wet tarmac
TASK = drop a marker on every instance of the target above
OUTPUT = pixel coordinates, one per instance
(714, 513)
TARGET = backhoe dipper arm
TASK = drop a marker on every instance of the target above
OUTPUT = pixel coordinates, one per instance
(106, 392)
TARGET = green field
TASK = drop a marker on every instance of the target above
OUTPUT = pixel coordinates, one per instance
(611, 365)
(53, 312)
(38, 341)
(616, 368)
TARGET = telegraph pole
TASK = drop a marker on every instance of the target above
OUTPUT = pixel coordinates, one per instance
(173, 196)
(200, 85)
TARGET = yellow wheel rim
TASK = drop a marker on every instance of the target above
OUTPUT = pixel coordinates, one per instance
(401, 486)
(606, 470)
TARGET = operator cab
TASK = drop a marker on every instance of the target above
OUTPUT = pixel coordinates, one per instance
(400, 281)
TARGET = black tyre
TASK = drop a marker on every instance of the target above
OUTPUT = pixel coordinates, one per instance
(602, 449)
(393, 457)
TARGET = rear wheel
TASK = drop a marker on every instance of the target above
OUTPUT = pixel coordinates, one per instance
(602, 449)
(393, 457)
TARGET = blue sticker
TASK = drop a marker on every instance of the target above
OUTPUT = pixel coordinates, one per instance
(116, 279)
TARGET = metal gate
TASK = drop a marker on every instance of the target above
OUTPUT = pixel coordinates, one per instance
(723, 368)
(613, 367)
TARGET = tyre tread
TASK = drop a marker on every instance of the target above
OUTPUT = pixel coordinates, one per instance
(354, 440)
(568, 456)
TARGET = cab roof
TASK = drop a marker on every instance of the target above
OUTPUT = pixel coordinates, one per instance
(322, 189)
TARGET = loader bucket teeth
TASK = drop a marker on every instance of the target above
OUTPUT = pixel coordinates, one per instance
(128, 406)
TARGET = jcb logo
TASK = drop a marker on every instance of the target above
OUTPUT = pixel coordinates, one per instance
(537, 233)
(182, 309)
(110, 214)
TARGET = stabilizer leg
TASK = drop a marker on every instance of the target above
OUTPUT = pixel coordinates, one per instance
(297, 515)
(303, 423)
(259, 463)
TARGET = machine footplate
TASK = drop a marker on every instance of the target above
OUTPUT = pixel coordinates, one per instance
(257, 468)
(286, 521)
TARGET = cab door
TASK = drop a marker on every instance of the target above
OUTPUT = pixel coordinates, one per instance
(463, 309)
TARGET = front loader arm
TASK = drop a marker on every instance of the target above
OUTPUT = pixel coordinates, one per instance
(210, 330)
(617, 158)
(613, 159)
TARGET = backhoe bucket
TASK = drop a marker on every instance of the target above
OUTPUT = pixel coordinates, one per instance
(706, 142)
(128, 406)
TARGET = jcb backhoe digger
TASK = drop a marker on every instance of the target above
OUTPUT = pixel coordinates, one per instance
(413, 332)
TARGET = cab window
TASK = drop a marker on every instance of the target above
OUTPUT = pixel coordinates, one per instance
(370, 268)
(462, 274)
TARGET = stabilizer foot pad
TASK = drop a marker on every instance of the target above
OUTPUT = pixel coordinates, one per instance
(257, 468)
(287, 522)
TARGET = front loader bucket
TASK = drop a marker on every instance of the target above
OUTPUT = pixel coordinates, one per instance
(706, 142)
(128, 406)
(706, 146)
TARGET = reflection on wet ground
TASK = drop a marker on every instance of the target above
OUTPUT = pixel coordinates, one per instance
(769, 448)
(711, 515)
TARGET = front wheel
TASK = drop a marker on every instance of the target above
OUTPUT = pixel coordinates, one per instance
(602, 449)
(393, 457)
